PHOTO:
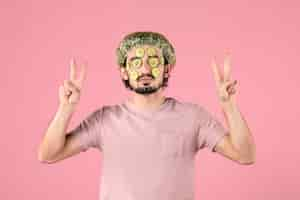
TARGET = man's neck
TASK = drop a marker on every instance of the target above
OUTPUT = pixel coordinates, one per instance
(147, 102)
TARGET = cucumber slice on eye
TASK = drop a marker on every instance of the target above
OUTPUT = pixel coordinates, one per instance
(136, 63)
(155, 72)
(140, 52)
(153, 62)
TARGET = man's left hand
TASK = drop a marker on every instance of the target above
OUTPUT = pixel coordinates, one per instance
(225, 85)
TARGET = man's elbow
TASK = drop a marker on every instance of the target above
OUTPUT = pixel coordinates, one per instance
(42, 159)
(247, 160)
(45, 162)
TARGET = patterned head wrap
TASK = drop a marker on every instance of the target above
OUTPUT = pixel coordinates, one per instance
(136, 39)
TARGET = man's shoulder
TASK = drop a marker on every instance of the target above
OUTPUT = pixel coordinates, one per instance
(109, 108)
(186, 105)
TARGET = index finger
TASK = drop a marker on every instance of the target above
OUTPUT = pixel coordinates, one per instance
(216, 72)
(82, 74)
(72, 69)
(227, 65)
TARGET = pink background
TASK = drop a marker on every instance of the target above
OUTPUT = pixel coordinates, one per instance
(38, 38)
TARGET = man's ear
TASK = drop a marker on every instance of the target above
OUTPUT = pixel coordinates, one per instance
(124, 74)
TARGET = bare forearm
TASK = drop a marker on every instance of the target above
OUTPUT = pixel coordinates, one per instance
(240, 133)
(54, 138)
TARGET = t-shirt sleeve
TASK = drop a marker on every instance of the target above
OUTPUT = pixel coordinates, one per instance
(210, 130)
(89, 131)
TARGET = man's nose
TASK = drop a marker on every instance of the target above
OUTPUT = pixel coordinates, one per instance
(145, 68)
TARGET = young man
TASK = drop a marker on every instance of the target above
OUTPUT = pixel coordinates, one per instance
(149, 141)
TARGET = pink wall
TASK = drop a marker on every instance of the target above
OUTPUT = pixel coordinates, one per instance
(38, 39)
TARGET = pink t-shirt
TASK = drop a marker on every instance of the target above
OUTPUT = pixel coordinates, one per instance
(149, 155)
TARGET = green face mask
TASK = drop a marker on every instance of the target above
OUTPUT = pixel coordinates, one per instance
(153, 60)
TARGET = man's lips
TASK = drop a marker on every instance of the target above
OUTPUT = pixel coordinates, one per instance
(145, 79)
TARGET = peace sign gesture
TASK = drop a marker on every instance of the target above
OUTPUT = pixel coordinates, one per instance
(225, 86)
(69, 92)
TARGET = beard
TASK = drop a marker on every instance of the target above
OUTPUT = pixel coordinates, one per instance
(146, 89)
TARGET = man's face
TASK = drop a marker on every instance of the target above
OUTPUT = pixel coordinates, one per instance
(144, 69)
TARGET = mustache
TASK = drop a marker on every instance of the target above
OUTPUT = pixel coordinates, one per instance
(146, 75)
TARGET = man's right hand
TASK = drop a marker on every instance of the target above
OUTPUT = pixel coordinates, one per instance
(69, 92)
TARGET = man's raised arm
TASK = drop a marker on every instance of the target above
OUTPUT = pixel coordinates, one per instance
(56, 144)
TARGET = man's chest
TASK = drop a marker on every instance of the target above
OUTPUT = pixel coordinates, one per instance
(168, 137)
